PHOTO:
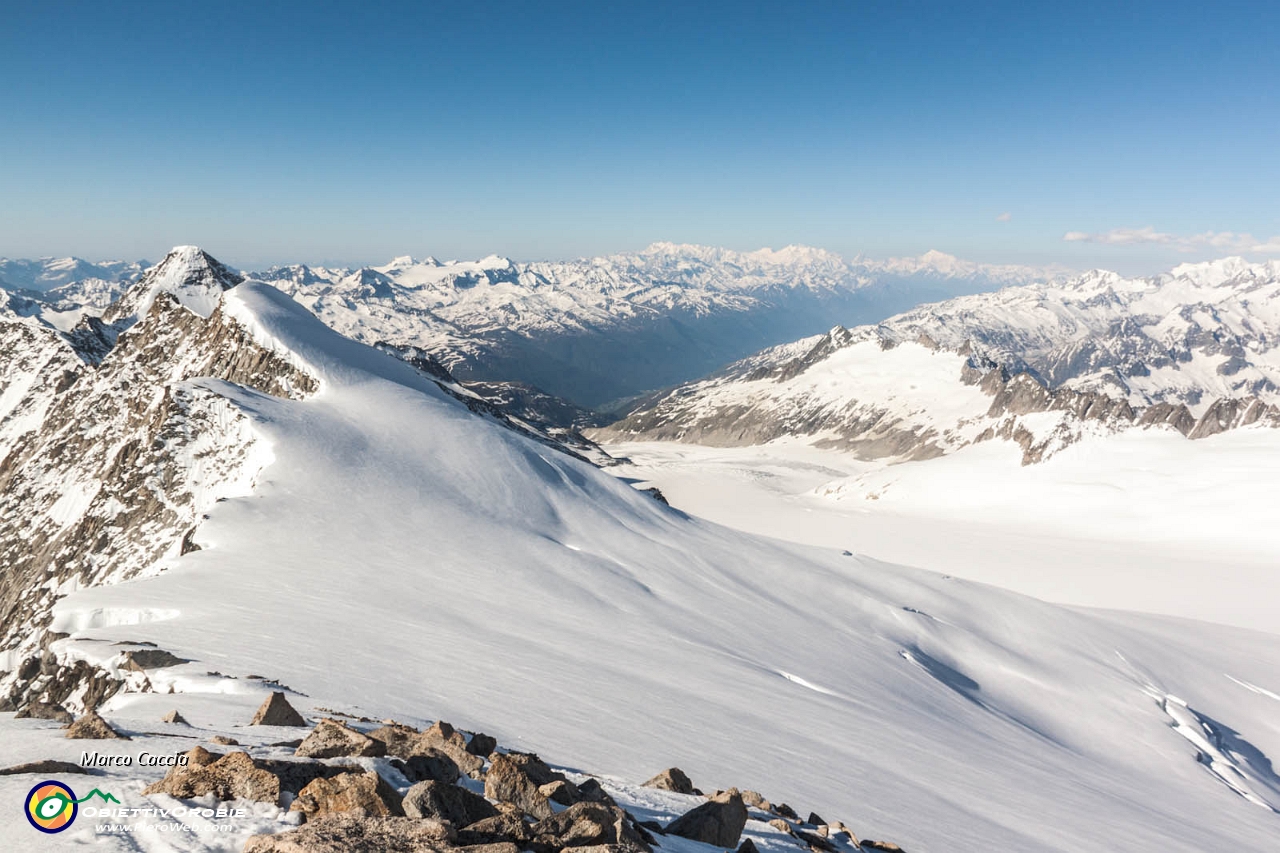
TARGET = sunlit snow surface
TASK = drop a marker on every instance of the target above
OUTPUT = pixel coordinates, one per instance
(402, 558)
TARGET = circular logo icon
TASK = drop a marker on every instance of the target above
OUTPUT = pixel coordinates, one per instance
(51, 807)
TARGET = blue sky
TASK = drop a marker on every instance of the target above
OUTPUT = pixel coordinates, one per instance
(336, 132)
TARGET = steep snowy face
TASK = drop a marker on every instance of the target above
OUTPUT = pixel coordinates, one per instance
(602, 328)
(1043, 365)
(403, 557)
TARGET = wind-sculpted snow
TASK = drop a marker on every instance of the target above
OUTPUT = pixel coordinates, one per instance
(1042, 365)
(400, 556)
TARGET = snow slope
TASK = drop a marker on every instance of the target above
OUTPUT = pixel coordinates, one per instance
(402, 557)
(1143, 521)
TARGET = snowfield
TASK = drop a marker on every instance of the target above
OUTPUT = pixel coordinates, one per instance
(402, 557)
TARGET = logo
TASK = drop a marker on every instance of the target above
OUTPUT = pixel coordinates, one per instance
(52, 806)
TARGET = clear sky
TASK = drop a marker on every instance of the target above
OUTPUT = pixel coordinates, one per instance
(352, 132)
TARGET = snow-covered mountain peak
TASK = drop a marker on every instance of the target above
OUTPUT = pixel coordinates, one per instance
(189, 274)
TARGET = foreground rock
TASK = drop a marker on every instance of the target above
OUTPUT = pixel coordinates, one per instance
(441, 740)
(362, 794)
(718, 821)
(588, 825)
(45, 711)
(276, 711)
(431, 765)
(672, 779)
(507, 827)
(332, 739)
(92, 727)
(228, 777)
(443, 801)
(47, 766)
(507, 782)
(350, 833)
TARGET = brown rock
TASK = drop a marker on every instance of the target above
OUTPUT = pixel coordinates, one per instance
(276, 711)
(755, 800)
(782, 826)
(506, 826)
(815, 841)
(445, 738)
(886, 846)
(482, 745)
(672, 779)
(92, 727)
(229, 777)
(747, 846)
(332, 739)
(592, 792)
(444, 801)
(223, 740)
(784, 810)
(296, 775)
(508, 782)
(718, 821)
(175, 718)
(430, 765)
(46, 766)
(350, 833)
(561, 791)
(364, 794)
(140, 660)
(45, 711)
(397, 738)
(585, 825)
(814, 820)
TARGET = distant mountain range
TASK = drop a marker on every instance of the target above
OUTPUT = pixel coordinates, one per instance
(592, 330)
(1195, 350)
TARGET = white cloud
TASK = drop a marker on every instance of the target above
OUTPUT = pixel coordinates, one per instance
(1222, 240)
(1004, 217)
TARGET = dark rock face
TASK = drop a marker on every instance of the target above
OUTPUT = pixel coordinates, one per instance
(332, 739)
(351, 833)
(444, 801)
(718, 821)
(364, 794)
(93, 727)
(140, 660)
(276, 711)
(45, 711)
(228, 777)
(507, 782)
(429, 765)
(672, 779)
(482, 745)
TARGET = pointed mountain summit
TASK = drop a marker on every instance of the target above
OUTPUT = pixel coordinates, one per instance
(187, 273)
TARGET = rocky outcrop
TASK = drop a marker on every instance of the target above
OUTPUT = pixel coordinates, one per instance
(363, 794)
(445, 801)
(587, 825)
(672, 779)
(508, 782)
(46, 767)
(277, 711)
(718, 821)
(351, 833)
(333, 739)
(226, 777)
(45, 711)
(92, 727)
